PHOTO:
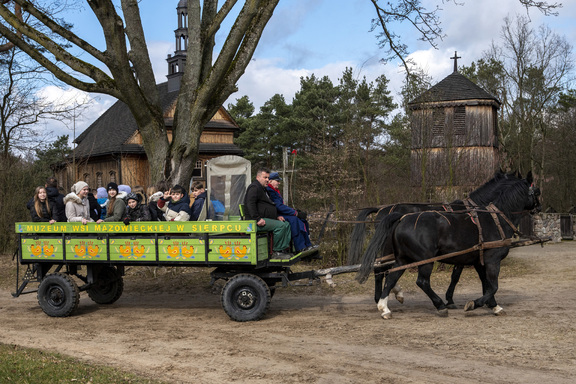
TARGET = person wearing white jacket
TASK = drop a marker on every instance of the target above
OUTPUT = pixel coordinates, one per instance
(77, 206)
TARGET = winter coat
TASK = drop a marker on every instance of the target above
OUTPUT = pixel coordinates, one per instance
(119, 211)
(156, 213)
(55, 197)
(103, 201)
(298, 227)
(45, 216)
(258, 204)
(201, 209)
(176, 211)
(138, 213)
(76, 208)
(95, 209)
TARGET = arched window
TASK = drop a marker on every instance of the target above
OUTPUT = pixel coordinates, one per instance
(99, 179)
(86, 178)
(112, 176)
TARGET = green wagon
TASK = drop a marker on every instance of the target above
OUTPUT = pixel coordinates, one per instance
(97, 254)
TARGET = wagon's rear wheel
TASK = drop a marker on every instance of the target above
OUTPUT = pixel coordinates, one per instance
(246, 297)
(107, 287)
(58, 295)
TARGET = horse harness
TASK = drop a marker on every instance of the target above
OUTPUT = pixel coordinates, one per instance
(472, 209)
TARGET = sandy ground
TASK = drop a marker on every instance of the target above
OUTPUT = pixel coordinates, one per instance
(185, 337)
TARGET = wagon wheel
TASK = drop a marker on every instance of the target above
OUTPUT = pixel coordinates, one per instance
(107, 287)
(58, 295)
(246, 297)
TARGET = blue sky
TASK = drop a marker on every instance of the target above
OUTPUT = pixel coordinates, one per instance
(326, 36)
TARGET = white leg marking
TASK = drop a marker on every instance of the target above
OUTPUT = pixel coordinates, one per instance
(498, 310)
(383, 306)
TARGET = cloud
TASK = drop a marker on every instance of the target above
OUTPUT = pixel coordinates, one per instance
(95, 105)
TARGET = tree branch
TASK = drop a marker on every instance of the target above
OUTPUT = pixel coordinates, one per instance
(59, 30)
(60, 54)
(138, 54)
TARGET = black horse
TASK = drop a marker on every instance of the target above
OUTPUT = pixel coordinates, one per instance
(481, 197)
(425, 235)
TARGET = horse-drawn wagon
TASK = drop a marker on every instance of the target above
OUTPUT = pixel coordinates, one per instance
(61, 256)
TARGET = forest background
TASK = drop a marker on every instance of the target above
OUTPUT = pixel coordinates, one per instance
(349, 143)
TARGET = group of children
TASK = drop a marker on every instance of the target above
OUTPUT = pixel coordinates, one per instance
(117, 203)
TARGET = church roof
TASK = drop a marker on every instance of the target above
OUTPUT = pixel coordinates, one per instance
(454, 87)
(111, 132)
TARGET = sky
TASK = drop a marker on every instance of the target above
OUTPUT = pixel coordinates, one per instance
(323, 37)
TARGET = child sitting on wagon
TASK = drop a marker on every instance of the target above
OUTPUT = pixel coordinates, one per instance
(135, 211)
(175, 204)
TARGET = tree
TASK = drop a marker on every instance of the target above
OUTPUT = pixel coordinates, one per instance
(52, 155)
(206, 84)
(426, 23)
(266, 133)
(241, 112)
(534, 67)
(22, 108)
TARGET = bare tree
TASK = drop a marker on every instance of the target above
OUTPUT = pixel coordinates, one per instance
(23, 108)
(424, 21)
(536, 65)
(206, 84)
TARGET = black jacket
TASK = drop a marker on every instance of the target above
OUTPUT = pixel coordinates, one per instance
(95, 208)
(257, 203)
(45, 216)
(58, 199)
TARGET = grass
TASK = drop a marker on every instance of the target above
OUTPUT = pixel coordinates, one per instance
(30, 366)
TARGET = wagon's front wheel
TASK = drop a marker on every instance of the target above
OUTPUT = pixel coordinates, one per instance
(246, 297)
(58, 295)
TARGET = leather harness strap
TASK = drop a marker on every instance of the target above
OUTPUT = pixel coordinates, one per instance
(472, 207)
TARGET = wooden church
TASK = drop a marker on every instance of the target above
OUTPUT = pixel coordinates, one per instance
(454, 137)
(110, 149)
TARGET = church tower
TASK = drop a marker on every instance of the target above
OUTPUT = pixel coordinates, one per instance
(454, 137)
(177, 61)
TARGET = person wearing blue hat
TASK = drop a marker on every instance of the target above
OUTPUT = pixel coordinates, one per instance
(297, 219)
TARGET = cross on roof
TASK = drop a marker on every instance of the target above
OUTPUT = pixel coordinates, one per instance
(455, 58)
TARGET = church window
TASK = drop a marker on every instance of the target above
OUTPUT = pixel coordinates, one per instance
(439, 117)
(99, 179)
(460, 120)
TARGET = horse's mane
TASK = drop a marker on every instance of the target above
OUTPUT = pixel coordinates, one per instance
(512, 196)
(484, 194)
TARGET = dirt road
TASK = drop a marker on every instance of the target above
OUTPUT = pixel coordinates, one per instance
(306, 337)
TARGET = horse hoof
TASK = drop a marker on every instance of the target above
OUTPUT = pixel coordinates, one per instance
(499, 311)
(443, 312)
(469, 306)
(386, 316)
(400, 299)
(451, 306)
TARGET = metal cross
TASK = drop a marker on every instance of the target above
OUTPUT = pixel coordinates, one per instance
(455, 58)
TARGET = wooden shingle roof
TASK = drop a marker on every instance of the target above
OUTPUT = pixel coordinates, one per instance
(112, 132)
(454, 87)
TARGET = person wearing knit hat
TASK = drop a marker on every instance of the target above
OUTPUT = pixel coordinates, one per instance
(77, 205)
(116, 205)
(124, 188)
(136, 211)
(113, 186)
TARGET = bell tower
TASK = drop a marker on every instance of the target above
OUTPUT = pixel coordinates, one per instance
(177, 61)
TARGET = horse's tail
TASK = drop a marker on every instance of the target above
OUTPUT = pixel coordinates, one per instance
(381, 234)
(358, 235)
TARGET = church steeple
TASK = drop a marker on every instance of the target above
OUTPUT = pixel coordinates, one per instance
(177, 61)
